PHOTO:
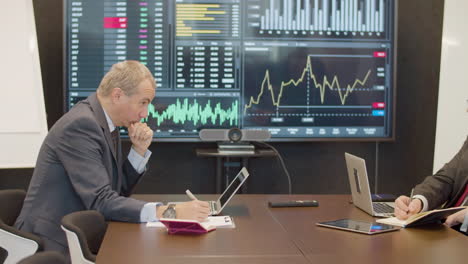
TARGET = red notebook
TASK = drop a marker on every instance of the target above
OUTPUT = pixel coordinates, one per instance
(183, 226)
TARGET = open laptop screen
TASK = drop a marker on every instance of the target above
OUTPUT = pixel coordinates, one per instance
(232, 188)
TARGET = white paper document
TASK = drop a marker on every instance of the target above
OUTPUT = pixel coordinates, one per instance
(392, 221)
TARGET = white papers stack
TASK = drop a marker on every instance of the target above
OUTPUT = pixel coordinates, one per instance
(221, 221)
(392, 221)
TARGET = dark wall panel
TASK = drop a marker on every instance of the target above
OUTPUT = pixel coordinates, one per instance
(315, 167)
(410, 158)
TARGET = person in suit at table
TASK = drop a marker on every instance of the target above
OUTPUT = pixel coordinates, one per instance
(80, 164)
(448, 188)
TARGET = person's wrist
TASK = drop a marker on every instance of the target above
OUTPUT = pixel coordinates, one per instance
(160, 210)
(170, 212)
(140, 150)
(464, 223)
(421, 204)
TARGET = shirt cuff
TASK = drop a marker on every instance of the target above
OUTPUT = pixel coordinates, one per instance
(148, 212)
(423, 200)
(138, 162)
(464, 226)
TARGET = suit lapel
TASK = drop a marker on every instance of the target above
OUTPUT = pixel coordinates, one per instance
(101, 118)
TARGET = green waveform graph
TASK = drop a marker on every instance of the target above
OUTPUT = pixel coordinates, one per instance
(197, 113)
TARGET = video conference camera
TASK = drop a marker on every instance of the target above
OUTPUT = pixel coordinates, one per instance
(234, 141)
(234, 135)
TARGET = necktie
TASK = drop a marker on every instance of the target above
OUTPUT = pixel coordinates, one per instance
(115, 140)
(116, 173)
(462, 197)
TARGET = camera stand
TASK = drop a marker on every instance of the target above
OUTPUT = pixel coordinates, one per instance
(240, 148)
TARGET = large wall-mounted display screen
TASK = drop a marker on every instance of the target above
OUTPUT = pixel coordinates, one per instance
(302, 69)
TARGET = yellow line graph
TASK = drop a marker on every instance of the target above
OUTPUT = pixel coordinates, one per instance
(334, 83)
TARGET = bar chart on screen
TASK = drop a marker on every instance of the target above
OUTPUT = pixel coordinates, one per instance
(321, 17)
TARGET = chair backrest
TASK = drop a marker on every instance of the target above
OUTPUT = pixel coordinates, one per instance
(85, 231)
(45, 257)
(11, 202)
(3, 255)
(18, 244)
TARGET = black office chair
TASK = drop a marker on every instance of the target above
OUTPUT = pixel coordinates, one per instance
(85, 231)
(17, 244)
(45, 257)
(3, 255)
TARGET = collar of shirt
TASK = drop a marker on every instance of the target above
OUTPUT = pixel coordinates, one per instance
(109, 121)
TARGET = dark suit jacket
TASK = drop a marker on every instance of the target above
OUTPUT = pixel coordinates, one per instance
(77, 170)
(448, 184)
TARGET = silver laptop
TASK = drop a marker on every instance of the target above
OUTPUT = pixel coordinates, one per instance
(360, 191)
(217, 206)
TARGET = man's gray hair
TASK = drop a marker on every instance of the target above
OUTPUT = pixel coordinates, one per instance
(126, 75)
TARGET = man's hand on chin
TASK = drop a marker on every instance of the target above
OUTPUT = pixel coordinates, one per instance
(140, 135)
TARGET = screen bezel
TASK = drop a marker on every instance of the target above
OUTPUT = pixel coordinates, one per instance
(242, 173)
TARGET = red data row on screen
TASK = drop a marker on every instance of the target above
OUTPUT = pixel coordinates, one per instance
(115, 22)
(378, 105)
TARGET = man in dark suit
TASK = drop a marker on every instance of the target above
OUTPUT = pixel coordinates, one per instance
(80, 164)
(447, 188)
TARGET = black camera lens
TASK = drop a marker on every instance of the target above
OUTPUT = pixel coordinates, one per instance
(234, 134)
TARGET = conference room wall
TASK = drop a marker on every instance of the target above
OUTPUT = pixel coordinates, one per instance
(315, 167)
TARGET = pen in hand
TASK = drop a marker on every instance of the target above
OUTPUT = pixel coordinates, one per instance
(411, 199)
(190, 194)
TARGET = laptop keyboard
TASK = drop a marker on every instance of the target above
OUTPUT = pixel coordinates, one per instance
(382, 208)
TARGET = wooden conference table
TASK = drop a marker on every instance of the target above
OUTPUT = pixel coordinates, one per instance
(281, 235)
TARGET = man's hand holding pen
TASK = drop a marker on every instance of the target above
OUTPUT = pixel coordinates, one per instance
(407, 206)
